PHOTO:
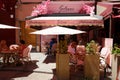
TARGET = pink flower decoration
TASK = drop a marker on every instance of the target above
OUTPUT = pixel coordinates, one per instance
(86, 9)
(40, 9)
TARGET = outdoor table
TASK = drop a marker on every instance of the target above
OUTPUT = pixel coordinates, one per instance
(9, 57)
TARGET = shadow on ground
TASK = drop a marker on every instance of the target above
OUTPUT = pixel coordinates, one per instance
(50, 59)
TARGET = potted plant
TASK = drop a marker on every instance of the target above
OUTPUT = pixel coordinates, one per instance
(115, 61)
(116, 49)
(92, 47)
(62, 61)
(91, 63)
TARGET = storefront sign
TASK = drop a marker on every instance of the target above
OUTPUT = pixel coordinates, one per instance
(67, 6)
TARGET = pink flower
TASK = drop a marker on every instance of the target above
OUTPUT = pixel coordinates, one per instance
(86, 9)
(40, 9)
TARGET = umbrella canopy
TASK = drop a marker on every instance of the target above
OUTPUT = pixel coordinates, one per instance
(3, 26)
(57, 30)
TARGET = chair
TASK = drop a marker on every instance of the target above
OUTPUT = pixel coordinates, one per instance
(26, 53)
(13, 47)
(105, 59)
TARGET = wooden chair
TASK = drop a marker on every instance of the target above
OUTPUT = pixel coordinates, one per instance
(13, 47)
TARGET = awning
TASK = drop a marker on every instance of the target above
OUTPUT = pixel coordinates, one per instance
(117, 16)
(66, 21)
(104, 9)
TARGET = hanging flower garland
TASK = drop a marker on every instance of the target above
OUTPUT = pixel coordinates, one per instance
(40, 8)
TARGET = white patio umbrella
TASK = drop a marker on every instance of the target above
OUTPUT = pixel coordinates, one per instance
(3, 26)
(57, 30)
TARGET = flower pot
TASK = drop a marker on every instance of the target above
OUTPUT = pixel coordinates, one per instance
(115, 66)
(91, 67)
(62, 66)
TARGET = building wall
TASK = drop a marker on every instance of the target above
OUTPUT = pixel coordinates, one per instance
(7, 16)
(23, 9)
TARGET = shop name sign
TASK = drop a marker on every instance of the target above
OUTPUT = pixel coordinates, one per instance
(65, 9)
(66, 6)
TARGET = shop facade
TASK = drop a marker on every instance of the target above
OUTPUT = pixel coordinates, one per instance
(68, 15)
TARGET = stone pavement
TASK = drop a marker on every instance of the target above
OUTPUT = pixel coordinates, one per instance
(42, 67)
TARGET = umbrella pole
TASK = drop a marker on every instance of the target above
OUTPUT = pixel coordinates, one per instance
(57, 43)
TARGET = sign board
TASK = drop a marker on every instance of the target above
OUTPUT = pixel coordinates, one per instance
(67, 6)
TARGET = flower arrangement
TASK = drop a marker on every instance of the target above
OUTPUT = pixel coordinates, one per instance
(86, 9)
(92, 47)
(40, 9)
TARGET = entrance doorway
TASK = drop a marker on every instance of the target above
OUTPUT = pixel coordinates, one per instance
(25, 35)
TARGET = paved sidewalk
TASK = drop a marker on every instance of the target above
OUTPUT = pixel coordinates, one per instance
(41, 68)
